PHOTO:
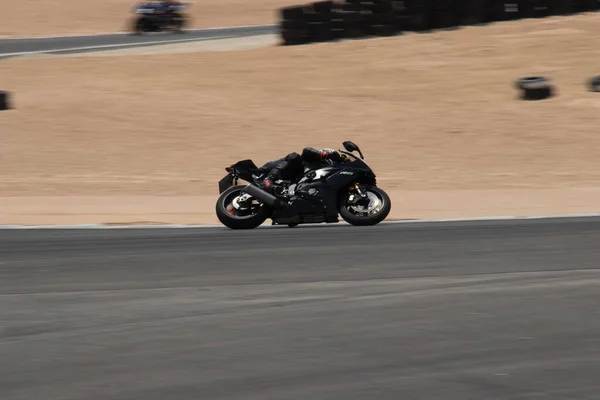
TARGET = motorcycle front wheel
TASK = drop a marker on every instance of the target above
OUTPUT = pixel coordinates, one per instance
(178, 23)
(370, 211)
(141, 25)
(237, 213)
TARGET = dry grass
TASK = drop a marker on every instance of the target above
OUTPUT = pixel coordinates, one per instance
(434, 111)
(61, 17)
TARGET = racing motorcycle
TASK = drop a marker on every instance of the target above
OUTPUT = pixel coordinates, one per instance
(347, 189)
(152, 17)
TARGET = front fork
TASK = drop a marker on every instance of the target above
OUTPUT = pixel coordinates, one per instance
(357, 194)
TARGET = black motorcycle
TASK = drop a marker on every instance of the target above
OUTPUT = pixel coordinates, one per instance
(347, 188)
(155, 17)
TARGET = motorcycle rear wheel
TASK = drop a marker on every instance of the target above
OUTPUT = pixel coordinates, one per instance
(377, 210)
(244, 216)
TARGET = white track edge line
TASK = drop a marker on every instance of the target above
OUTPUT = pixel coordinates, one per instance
(216, 28)
(196, 226)
(120, 46)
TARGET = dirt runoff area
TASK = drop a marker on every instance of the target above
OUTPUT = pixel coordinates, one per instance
(28, 18)
(126, 139)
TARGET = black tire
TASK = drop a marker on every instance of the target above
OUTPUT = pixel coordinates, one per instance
(594, 84)
(294, 36)
(320, 32)
(295, 13)
(558, 7)
(357, 220)
(239, 222)
(4, 100)
(535, 88)
(418, 20)
(474, 12)
(323, 7)
(294, 32)
(531, 82)
(178, 23)
(141, 25)
(384, 30)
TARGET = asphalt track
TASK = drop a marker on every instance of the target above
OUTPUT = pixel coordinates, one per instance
(453, 311)
(81, 44)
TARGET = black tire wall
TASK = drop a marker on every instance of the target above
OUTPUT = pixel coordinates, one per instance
(326, 21)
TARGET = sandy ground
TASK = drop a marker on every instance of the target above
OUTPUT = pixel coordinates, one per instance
(436, 115)
(26, 18)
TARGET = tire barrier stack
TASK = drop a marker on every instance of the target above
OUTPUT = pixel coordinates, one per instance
(325, 21)
(4, 100)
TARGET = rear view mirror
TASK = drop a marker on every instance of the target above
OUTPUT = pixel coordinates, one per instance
(349, 146)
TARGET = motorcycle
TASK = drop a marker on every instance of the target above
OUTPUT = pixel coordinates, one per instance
(347, 189)
(152, 18)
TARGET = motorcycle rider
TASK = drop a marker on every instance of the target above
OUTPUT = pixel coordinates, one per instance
(171, 3)
(292, 166)
(165, 6)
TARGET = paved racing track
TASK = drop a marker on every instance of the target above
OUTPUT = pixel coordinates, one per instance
(452, 311)
(82, 44)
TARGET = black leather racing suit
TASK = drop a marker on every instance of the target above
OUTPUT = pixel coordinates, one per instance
(292, 166)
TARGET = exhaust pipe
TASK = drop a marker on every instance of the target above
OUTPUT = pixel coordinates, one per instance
(263, 196)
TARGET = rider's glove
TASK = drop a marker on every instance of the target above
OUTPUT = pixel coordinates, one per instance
(330, 154)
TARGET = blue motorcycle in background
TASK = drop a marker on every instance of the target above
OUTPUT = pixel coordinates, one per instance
(159, 16)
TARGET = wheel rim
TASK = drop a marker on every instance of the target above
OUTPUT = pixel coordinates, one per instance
(363, 209)
(241, 206)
